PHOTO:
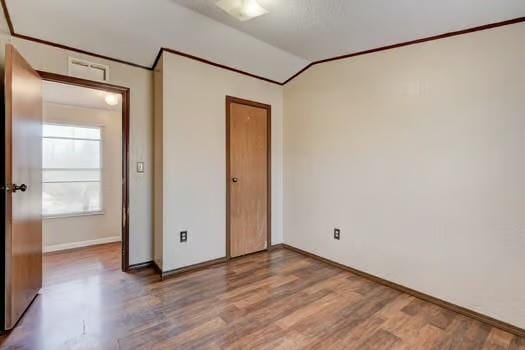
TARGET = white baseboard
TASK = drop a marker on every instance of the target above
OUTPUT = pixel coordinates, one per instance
(73, 245)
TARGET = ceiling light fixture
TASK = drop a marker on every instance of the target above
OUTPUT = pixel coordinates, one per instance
(111, 99)
(243, 10)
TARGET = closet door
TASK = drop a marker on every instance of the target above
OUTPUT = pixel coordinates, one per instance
(248, 126)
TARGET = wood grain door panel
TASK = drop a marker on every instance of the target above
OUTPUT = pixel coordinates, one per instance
(248, 183)
(23, 118)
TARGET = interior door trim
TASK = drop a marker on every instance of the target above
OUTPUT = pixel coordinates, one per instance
(268, 108)
(125, 93)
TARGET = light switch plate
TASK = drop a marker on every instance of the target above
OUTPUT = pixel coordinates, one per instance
(140, 167)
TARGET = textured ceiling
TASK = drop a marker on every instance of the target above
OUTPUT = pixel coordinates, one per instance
(320, 29)
(274, 46)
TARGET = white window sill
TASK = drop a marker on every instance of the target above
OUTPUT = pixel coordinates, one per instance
(72, 215)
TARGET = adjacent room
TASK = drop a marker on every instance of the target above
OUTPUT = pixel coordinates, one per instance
(81, 174)
(263, 174)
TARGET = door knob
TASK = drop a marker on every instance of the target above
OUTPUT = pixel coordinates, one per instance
(234, 179)
(15, 188)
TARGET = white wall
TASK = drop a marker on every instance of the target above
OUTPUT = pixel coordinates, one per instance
(140, 82)
(194, 156)
(417, 154)
(69, 232)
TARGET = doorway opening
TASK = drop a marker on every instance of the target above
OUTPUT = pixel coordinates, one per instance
(85, 188)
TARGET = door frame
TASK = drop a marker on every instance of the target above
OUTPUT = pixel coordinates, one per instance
(125, 93)
(268, 108)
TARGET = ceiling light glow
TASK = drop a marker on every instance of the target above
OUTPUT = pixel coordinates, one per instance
(243, 10)
(111, 99)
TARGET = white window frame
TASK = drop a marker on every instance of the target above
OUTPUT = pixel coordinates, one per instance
(101, 157)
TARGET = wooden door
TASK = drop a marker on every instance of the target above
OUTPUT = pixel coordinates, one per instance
(248, 125)
(23, 189)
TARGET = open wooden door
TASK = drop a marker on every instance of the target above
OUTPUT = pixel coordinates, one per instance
(23, 185)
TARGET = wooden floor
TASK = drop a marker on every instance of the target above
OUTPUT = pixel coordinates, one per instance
(277, 300)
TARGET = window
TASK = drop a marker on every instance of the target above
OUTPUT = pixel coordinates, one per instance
(72, 170)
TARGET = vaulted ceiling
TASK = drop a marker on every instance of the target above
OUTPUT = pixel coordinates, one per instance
(293, 34)
(320, 29)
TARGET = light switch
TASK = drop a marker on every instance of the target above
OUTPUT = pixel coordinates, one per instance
(140, 167)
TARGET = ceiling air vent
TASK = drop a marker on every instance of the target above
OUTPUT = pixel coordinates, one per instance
(88, 70)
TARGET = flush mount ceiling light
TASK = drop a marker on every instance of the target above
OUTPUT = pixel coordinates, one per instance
(111, 99)
(243, 10)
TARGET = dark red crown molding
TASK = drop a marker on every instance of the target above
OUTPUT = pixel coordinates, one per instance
(175, 52)
(215, 64)
(159, 54)
(412, 42)
(8, 17)
(50, 43)
(60, 46)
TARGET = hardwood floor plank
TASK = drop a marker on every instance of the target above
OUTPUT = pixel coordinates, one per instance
(194, 335)
(310, 310)
(517, 343)
(498, 340)
(463, 334)
(267, 301)
(381, 340)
